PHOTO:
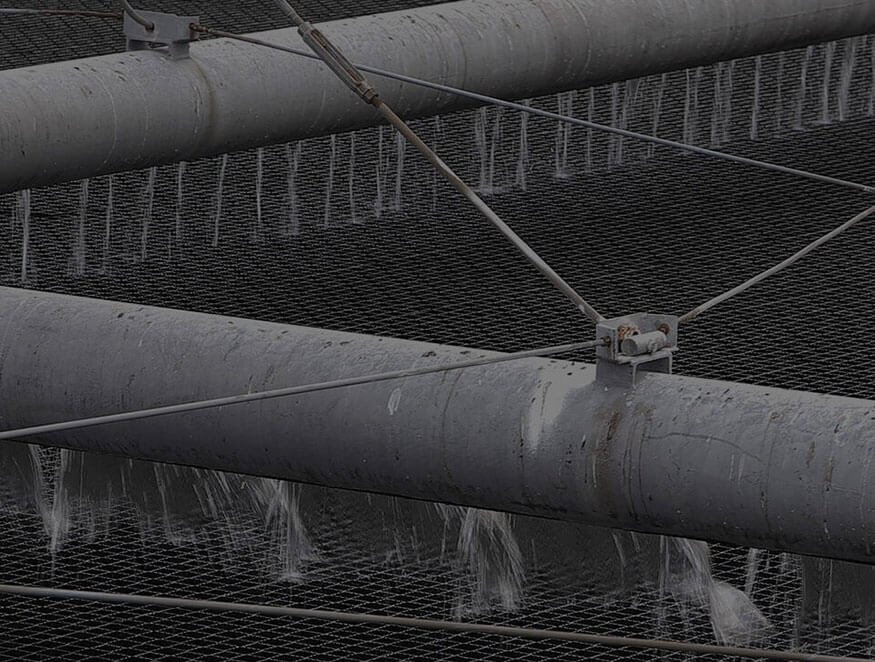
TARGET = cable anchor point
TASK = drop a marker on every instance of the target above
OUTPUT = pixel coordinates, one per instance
(641, 342)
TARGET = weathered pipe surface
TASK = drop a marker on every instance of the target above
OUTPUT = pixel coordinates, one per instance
(77, 119)
(690, 457)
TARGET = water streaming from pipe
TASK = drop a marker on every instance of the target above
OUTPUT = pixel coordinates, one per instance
(258, 231)
(220, 185)
(631, 91)
(799, 121)
(829, 54)
(293, 160)
(490, 558)
(352, 184)
(24, 211)
(108, 218)
(717, 113)
(846, 78)
(438, 135)
(481, 119)
(686, 576)
(755, 101)
(494, 145)
(728, 96)
(590, 116)
(78, 266)
(656, 112)
(613, 139)
(779, 96)
(400, 151)
(329, 185)
(180, 200)
(565, 106)
(871, 105)
(379, 174)
(147, 213)
(522, 163)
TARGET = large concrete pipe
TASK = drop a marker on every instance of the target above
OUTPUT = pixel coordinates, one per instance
(714, 460)
(78, 119)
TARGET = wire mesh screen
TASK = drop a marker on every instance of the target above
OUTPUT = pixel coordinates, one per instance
(353, 232)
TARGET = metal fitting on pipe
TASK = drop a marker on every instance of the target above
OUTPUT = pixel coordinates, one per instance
(71, 120)
(748, 465)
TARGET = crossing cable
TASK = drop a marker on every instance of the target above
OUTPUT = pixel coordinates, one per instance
(432, 624)
(62, 12)
(778, 267)
(486, 99)
(355, 80)
(213, 403)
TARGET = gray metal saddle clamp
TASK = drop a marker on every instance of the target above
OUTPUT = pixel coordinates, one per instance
(168, 30)
(641, 342)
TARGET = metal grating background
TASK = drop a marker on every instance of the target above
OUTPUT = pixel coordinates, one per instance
(352, 233)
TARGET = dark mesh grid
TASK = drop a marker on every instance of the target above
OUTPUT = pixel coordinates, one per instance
(346, 248)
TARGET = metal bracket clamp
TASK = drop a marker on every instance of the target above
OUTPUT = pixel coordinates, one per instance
(642, 342)
(168, 30)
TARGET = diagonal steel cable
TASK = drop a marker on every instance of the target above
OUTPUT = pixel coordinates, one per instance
(775, 269)
(213, 403)
(355, 80)
(486, 99)
(61, 12)
(512, 105)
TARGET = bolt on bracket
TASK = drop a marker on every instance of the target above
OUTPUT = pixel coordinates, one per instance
(642, 342)
(168, 30)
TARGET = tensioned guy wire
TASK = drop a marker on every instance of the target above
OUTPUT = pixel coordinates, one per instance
(420, 623)
(291, 390)
(483, 98)
(778, 267)
(355, 80)
(61, 12)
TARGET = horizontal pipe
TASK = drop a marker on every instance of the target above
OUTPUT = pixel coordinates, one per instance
(82, 118)
(748, 465)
